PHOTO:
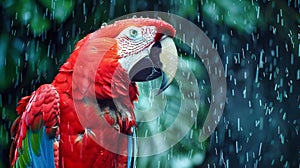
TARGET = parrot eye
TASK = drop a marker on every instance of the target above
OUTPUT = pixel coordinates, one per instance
(133, 33)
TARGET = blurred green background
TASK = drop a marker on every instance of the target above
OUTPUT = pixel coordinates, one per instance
(258, 42)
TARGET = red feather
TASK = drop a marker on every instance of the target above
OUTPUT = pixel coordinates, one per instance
(77, 146)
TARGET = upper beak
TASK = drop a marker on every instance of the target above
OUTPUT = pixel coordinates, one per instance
(169, 59)
(160, 60)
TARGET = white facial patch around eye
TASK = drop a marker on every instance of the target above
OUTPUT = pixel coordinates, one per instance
(133, 39)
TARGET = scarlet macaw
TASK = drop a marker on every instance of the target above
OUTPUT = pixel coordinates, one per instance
(48, 133)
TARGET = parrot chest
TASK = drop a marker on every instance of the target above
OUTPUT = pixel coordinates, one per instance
(78, 147)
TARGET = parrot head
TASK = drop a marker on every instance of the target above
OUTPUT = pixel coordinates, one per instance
(131, 50)
(145, 48)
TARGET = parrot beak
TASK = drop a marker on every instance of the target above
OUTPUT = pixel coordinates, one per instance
(161, 59)
(169, 59)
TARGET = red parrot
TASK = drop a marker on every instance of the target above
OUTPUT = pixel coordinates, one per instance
(48, 131)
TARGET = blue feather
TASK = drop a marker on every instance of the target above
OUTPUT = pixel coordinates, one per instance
(46, 155)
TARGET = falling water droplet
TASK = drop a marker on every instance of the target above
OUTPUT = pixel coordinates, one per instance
(236, 147)
(239, 124)
(103, 24)
(84, 9)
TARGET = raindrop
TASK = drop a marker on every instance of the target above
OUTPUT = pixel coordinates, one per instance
(261, 64)
(236, 147)
(256, 75)
(257, 122)
(257, 11)
(191, 134)
(277, 18)
(226, 70)
(239, 124)
(281, 158)
(274, 30)
(247, 156)
(245, 75)
(290, 34)
(284, 116)
(286, 47)
(273, 162)
(281, 138)
(259, 151)
(202, 24)
(292, 59)
(299, 50)
(216, 150)
(270, 77)
(224, 48)
(217, 139)
(103, 24)
(83, 9)
(125, 8)
(195, 121)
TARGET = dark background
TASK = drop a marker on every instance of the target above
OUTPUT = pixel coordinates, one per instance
(258, 42)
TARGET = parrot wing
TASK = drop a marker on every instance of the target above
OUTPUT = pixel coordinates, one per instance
(35, 131)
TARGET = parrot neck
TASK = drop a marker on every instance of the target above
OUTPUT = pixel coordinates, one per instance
(111, 83)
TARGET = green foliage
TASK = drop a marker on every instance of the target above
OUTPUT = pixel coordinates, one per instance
(28, 13)
(9, 53)
(60, 9)
(241, 15)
